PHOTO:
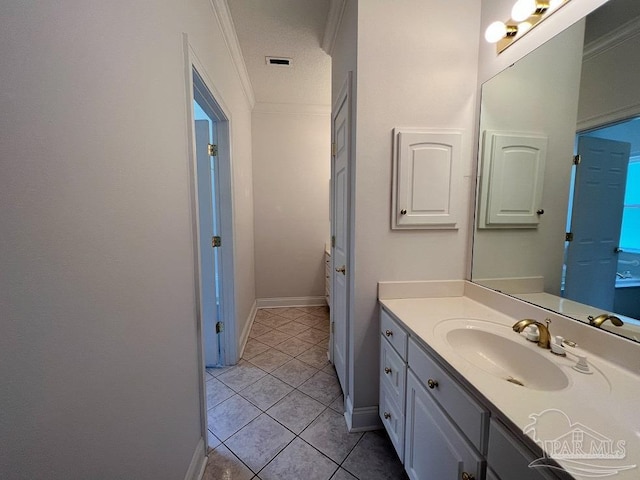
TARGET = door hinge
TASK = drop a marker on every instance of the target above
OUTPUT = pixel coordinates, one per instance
(568, 237)
(334, 149)
(333, 241)
(216, 241)
(219, 327)
(212, 150)
(577, 159)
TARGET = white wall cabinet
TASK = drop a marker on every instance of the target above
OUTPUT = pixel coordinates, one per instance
(426, 179)
(512, 180)
(439, 427)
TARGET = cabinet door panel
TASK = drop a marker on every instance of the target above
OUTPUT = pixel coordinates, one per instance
(471, 417)
(433, 447)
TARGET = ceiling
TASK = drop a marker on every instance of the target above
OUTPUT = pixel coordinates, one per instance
(284, 28)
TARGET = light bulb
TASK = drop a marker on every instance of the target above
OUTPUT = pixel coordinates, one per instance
(523, 28)
(523, 9)
(495, 32)
(553, 4)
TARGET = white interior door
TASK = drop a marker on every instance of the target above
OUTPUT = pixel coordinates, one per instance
(596, 219)
(208, 261)
(340, 230)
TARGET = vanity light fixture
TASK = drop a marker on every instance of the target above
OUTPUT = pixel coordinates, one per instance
(525, 15)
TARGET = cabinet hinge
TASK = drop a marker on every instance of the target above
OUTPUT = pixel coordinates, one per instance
(334, 149)
(568, 237)
(216, 241)
(213, 150)
(577, 159)
(219, 327)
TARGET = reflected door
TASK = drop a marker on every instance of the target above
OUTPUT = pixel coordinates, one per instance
(596, 219)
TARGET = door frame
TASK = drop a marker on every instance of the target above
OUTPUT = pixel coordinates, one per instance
(228, 350)
(344, 96)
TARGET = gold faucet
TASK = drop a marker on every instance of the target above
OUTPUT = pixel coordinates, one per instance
(544, 340)
(600, 319)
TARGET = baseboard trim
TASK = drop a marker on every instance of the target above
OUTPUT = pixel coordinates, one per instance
(244, 336)
(291, 302)
(198, 463)
(361, 419)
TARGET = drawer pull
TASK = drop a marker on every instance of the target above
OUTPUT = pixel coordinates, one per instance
(388, 333)
(467, 476)
(433, 384)
(387, 370)
(387, 415)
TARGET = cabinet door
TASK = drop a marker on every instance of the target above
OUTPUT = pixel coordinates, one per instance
(509, 458)
(433, 447)
(427, 179)
(512, 180)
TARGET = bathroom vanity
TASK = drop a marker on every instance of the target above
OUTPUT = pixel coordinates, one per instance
(463, 396)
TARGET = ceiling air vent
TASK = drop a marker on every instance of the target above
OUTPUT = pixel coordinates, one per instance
(279, 61)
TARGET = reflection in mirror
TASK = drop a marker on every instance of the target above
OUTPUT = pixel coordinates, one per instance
(551, 229)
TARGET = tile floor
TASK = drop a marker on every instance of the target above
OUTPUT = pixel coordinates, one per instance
(278, 413)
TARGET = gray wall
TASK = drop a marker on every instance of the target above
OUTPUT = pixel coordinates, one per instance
(98, 350)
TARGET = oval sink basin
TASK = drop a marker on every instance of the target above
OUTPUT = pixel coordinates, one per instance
(486, 345)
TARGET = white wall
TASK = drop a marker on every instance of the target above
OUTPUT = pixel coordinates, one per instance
(419, 71)
(291, 171)
(538, 95)
(98, 346)
(609, 88)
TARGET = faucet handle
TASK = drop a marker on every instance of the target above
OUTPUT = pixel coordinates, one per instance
(557, 345)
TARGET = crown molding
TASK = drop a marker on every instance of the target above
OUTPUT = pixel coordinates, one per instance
(223, 15)
(612, 39)
(334, 18)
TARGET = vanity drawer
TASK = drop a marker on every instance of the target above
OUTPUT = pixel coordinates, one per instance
(393, 372)
(394, 333)
(470, 417)
(392, 417)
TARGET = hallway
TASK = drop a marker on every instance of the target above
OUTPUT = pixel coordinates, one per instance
(278, 413)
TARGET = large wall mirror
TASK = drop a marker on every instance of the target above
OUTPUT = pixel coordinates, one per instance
(558, 203)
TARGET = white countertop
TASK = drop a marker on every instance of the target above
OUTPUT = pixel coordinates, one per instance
(606, 403)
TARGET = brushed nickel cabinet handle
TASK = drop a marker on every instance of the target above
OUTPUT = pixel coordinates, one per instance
(387, 370)
(387, 415)
(388, 333)
(432, 384)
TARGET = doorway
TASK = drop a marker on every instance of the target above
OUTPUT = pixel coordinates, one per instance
(214, 222)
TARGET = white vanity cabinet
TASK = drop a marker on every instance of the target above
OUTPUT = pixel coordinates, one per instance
(420, 422)
(393, 375)
(440, 428)
(327, 276)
